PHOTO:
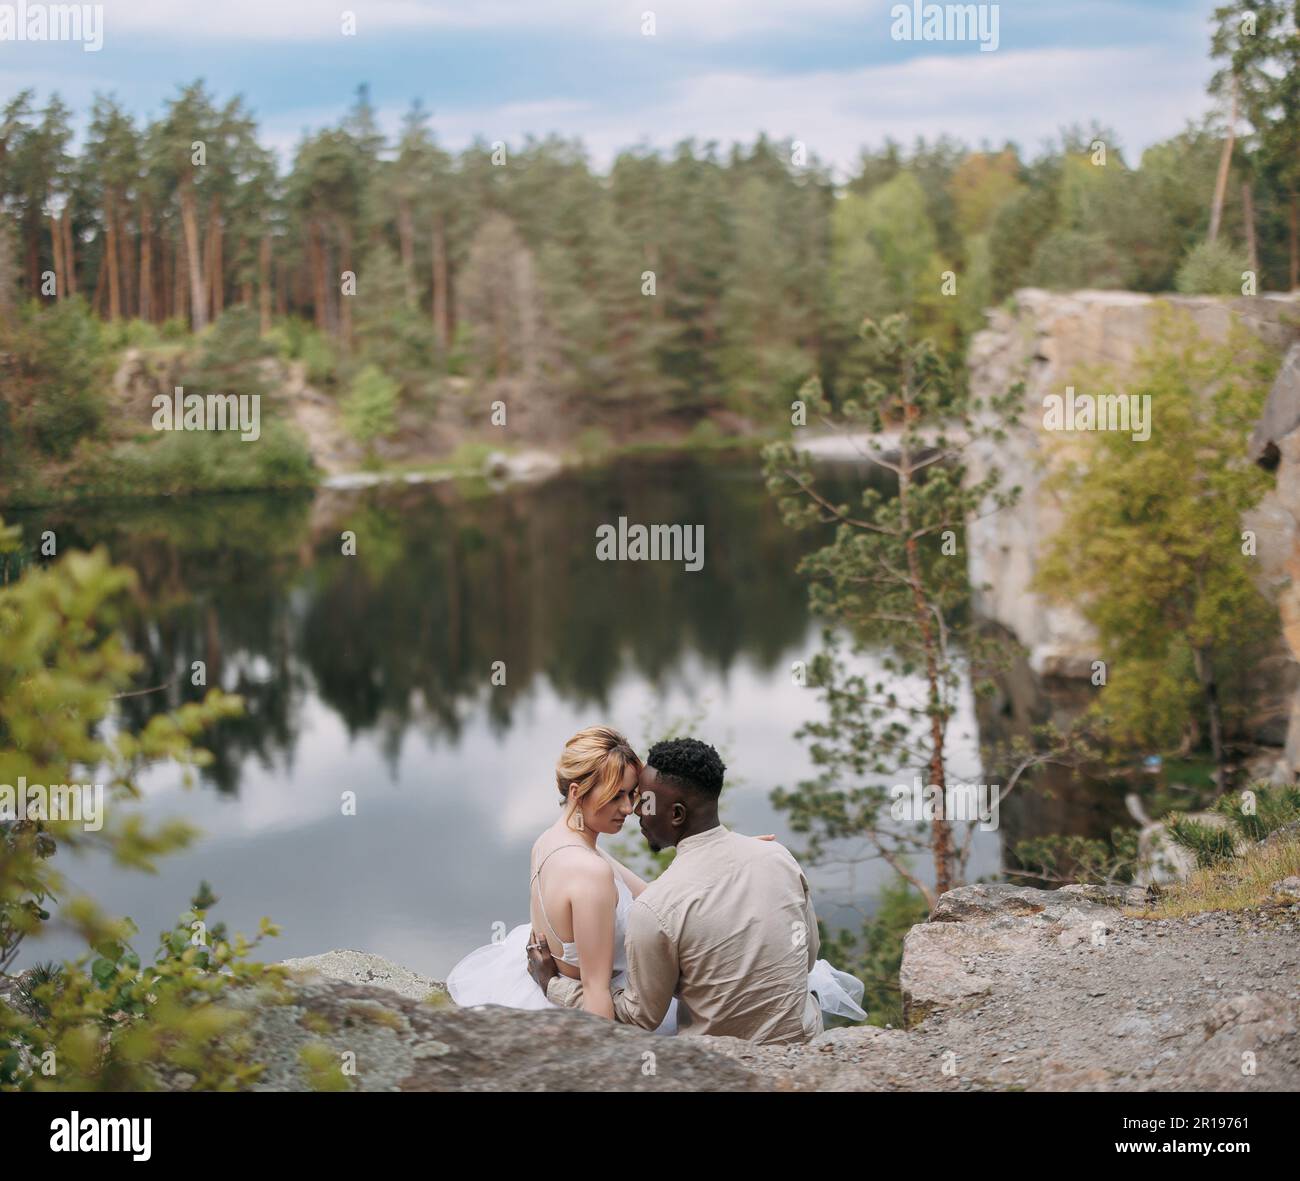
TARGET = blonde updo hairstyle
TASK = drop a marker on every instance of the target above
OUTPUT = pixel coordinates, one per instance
(594, 762)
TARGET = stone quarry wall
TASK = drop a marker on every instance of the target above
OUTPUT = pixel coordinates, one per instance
(1048, 340)
(1276, 521)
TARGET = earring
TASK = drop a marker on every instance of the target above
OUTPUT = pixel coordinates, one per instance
(580, 826)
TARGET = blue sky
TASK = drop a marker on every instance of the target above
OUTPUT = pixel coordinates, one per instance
(826, 72)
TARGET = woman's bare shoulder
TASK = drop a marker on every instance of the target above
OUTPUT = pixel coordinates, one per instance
(582, 863)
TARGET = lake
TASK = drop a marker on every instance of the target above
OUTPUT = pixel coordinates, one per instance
(373, 674)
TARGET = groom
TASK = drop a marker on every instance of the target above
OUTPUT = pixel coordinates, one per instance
(728, 927)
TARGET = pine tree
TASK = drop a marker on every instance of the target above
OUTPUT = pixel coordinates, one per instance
(893, 577)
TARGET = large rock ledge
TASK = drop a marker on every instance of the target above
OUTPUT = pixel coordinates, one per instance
(403, 1045)
(1006, 988)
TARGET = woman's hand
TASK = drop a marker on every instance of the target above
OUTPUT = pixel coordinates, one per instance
(541, 964)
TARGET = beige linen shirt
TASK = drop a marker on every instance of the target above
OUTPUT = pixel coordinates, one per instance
(729, 929)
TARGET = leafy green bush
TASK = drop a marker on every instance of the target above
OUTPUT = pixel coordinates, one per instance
(874, 953)
(123, 1025)
(59, 362)
(296, 340)
(174, 329)
(230, 358)
(1251, 816)
(371, 405)
(285, 337)
(179, 462)
(104, 1021)
(1211, 268)
(320, 359)
(1212, 845)
(132, 334)
(1061, 858)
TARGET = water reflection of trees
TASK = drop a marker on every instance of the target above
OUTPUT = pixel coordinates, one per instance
(514, 578)
(405, 633)
(214, 576)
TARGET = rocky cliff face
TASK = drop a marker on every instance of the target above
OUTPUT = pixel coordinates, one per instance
(1276, 522)
(1007, 988)
(1050, 340)
(1045, 339)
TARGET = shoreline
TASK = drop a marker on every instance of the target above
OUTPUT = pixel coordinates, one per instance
(500, 468)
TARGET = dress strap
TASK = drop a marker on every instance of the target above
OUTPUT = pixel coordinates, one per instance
(537, 884)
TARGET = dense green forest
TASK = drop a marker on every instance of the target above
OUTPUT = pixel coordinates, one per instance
(673, 284)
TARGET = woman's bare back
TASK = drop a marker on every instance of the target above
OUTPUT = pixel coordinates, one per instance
(551, 893)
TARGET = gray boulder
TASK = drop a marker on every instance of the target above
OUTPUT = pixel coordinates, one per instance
(375, 1039)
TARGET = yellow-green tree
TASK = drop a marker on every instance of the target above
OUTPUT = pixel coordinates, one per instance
(106, 1020)
(1151, 548)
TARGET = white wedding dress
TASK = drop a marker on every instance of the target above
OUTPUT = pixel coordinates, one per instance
(497, 973)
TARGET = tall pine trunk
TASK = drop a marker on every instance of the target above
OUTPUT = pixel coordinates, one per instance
(146, 264)
(1225, 162)
(316, 263)
(166, 280)
(8, 271)
(345, 301)
(1293, 239)
(56, 240)
(1248, 212)
(129, 305)
(101, 285)
(183, 284)
(8, 276)
(216, 267)
(193, 259)
(111, 257)
(264, 283)
(441, 304)
(941, 844)
(69, 255)
(33, 259)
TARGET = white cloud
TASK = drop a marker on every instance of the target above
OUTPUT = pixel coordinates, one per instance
(1145, 94)
(1023, 96)
(314, 20)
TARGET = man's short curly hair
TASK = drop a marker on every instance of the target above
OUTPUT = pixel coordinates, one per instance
(689, 763)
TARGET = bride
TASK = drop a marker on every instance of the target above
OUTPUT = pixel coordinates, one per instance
(579, 896)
